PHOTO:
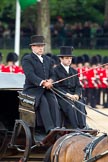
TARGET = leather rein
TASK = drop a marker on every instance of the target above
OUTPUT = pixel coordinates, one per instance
(60, 94)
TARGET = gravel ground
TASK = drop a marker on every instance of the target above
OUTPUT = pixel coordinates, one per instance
(96, 120)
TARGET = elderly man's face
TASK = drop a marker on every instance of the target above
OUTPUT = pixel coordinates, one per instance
(38, 49)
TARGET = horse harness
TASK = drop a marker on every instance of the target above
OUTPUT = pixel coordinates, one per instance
(90, 147)
(57, 151)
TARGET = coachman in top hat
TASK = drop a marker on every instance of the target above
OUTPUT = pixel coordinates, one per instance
(71, 88)
(39, 74)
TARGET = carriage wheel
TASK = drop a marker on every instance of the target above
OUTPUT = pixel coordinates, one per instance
(28, 140)
(47, 157)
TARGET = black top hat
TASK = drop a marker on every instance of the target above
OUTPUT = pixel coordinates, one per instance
(12, 57)
(66, 51)
(37, 40)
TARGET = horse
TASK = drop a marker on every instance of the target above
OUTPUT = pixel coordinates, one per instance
(79, 147)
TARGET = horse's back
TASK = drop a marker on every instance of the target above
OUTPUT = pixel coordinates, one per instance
(69, 148)
(74, 146)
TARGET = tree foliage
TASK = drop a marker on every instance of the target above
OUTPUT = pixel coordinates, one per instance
(78, 10)
(70, 10)
(7, 10)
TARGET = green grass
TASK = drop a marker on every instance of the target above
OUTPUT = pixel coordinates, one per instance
(76, 52)
(90, 52)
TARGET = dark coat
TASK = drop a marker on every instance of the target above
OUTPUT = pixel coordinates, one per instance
(71, 85)
(46, 104)
(35, 72)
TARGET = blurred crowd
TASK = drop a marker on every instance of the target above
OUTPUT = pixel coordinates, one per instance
(81, 35)
(92, 72)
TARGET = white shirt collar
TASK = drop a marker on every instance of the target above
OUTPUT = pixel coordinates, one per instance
(66, 68)
(39, 56)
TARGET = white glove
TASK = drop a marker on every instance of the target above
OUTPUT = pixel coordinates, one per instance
(72, 97)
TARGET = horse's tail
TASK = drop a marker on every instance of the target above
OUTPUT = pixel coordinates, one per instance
(47, 157)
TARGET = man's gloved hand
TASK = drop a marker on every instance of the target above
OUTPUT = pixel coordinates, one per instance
(72, 97)
(76, 97)
(47, 84)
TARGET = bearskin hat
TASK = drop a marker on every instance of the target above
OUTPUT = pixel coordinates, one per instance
(12, 56)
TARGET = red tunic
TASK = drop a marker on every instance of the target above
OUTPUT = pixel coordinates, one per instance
(13, 69)
(93, 78)
(1, 67)
(104, 78)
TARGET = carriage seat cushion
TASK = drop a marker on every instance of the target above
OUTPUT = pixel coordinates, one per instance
(26, 100)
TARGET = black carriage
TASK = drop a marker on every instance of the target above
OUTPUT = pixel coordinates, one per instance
(17, 122)
(18, 140)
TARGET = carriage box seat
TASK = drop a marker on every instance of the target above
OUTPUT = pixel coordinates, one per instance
(26, 108)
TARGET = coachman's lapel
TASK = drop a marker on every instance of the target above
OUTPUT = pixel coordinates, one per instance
(62, 69)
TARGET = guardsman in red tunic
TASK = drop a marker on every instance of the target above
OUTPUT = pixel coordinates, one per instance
(80, 70)
(1, 65)
(104, 79)
(11, 59)
(10, 67)
(94, 82)
(99, 71)
(86, 69)
(82, 74)
(18, 70)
